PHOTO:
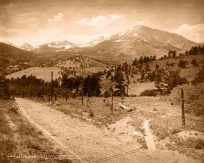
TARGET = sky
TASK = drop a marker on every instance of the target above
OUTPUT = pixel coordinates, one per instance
(81, 21)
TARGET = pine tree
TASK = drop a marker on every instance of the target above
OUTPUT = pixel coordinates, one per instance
(169, 80)
(119, 79)
(142, 74)
(95, 85)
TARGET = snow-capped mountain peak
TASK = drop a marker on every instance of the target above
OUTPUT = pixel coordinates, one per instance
(139, 41)
(92, 43)
(61, 45)
(133, 30)
(27, 47)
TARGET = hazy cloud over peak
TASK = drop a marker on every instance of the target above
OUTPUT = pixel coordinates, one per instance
(100, 20)
(194, 32)
(57, 18)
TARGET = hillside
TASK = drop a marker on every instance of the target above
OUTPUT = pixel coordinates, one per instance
(189, 72)
(77, 65)
(80, 62)
(13, 59)
(13, 54)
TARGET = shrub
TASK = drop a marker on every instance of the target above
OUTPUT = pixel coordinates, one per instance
(91, 114)
(182, 64)
(175, 130)
(106, 94)
(194, 63)
(14, 110)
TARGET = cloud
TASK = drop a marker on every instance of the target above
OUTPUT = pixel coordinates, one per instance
(138, 22)
(100, 20)
(32, 19)
(194, 33)
(57, 18)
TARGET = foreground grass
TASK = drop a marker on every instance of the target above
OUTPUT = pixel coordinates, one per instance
(19, 142)
(95, 109)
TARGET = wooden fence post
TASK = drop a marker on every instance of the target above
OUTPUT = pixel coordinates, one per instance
(55, 94)
(66, 95)
(111, 100)
(127, 89)
(52, 86)
(82, 97)
(182, 109)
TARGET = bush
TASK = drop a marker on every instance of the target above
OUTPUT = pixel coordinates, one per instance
(175, 131)
(91, 114)
(182, 64)
(14, 110)
(194, 63)
(152, 92)
(107, 94)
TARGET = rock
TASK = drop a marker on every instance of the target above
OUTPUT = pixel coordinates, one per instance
(136, 133)
(121, 133)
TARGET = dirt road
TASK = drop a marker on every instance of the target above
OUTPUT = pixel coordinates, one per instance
(87, 143)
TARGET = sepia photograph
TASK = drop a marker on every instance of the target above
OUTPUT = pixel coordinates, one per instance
(101, 81)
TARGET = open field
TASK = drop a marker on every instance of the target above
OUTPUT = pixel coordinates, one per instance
(139, 87)
(45, 72)
(82, 66)
(41, 72)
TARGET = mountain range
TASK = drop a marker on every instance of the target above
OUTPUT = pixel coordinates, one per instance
(137, 41)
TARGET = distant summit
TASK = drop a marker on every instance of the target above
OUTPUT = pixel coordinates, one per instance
(137, 41)
(154, 36)
(124, 46)
(27, 47)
